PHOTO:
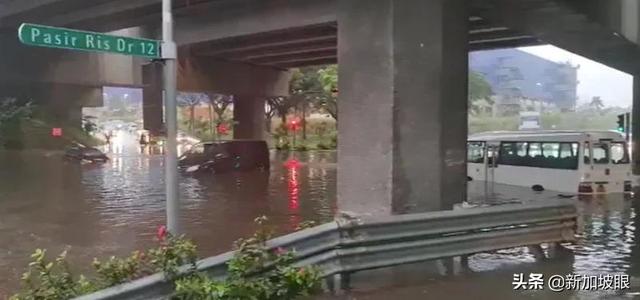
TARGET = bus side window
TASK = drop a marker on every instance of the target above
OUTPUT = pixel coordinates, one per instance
(600, 154)
(587, 155)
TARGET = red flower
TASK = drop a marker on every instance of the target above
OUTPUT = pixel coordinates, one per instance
(301, 271)
(162, 233)
(280, 250)
(294, 125)
(222, 129)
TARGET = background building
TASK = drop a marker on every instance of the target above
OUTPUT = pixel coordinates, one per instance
(517, 76)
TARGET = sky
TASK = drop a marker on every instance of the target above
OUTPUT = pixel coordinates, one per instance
(595, 79)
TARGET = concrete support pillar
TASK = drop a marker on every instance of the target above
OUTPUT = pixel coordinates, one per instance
(635, 126)
(152, 105)
(403, 105)
(248, 116)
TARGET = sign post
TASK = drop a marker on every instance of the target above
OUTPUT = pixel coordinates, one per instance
(171, 115)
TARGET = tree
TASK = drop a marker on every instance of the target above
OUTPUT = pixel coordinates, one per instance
(219, 104)
(11, 109)
(597, 104)
(329, 80)
(190, 100)
(12, 112)
(479, 89)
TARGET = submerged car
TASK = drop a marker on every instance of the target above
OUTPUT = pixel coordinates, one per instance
(226, 156)
(88, 154)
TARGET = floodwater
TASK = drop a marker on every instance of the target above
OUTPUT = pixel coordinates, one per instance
(115, 208)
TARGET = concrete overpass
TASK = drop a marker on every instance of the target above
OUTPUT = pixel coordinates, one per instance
(402, 66)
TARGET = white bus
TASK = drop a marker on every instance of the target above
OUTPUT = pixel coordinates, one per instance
(573, 162)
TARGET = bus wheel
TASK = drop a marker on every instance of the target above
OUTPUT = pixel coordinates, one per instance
(537, 188)
(469, 178)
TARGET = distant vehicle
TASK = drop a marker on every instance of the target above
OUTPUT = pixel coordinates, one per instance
(530, 120)
(226, 156)
(573, 162)
(87, 154)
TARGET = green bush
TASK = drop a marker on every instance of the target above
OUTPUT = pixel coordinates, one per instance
(301, 147)
(255, 272)
(322, 146)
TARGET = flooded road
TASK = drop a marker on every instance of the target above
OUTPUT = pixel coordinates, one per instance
(112, 209)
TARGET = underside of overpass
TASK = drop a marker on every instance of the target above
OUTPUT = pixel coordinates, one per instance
(402, 70)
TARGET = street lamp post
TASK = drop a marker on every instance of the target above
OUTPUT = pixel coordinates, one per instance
(169, 55)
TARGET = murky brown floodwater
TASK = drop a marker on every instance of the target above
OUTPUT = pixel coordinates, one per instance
(115, 208)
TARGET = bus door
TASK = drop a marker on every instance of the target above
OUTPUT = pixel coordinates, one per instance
(491, 163)
(600, 167)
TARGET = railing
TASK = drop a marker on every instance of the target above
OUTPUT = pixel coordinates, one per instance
(350, 245)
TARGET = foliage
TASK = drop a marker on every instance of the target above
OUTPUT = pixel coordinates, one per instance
(255, 272)
(191, 101)
(12, 113)
(54, 280)
(329, 79)
(51, 280)
(11, 109)
(301, 147)
(117, 270)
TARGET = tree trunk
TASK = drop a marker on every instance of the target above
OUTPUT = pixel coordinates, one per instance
(192, 117)
(268, 124)
(304, 120)
(211, 118)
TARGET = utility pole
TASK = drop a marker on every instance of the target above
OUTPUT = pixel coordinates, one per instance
(627, 126)
(169, 55)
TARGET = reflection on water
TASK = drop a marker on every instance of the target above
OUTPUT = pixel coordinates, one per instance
(112, 209)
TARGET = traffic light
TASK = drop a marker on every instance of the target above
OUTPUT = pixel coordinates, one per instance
(621, 123)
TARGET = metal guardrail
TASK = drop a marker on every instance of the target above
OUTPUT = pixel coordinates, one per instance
(347, 246)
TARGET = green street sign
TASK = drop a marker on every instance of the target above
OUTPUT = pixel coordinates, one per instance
(53, 37)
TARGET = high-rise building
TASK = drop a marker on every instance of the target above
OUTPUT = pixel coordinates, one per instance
(514, 75)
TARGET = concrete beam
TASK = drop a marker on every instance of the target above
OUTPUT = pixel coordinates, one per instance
(112, 10)
(264, 16)
(502, 43)
(260, 52)
(291, 37)
(20, 63)
(204, 74)
(311, 62)
(285, 58)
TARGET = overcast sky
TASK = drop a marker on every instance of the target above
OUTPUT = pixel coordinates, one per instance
(613, 86)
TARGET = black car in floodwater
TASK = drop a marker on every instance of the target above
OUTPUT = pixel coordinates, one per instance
(83, 153)
(226, 156)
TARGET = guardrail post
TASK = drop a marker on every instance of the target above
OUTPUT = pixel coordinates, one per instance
(537, 252)
(345, 281)
(464, 263)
